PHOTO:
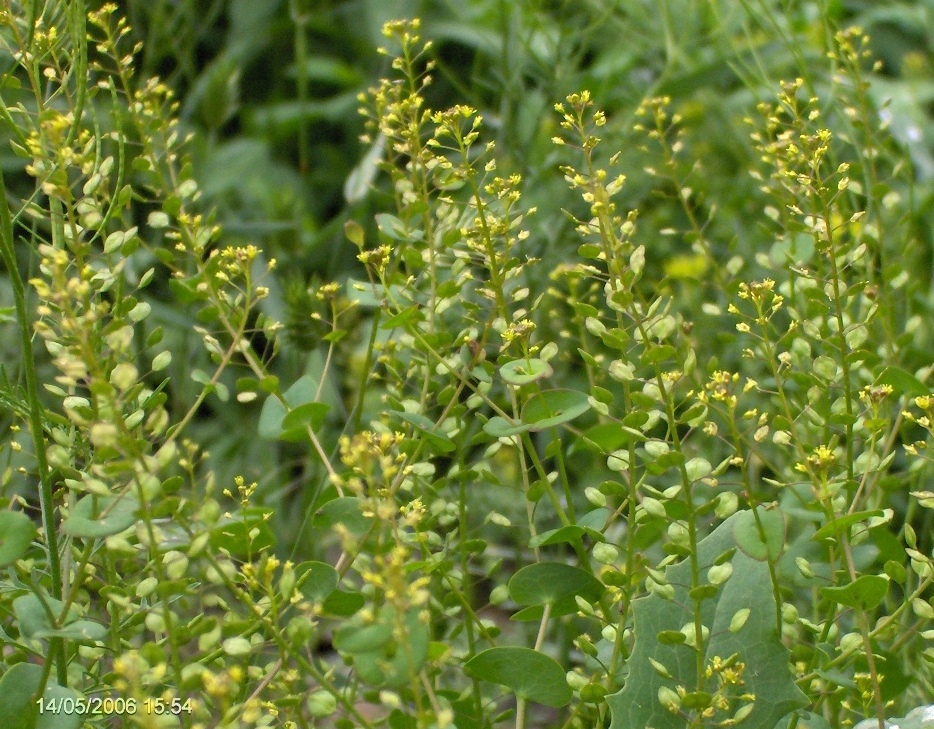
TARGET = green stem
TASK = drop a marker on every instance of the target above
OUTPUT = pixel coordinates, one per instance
(36, 417)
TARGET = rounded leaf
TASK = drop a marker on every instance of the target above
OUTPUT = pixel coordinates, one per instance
(549, 582)
(529, 674)
(553, 407)
(16, 534)
(524, 371)
(318, 579)
(95, 517)
(764, 545)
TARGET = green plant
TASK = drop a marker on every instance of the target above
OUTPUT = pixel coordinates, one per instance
(676, 478)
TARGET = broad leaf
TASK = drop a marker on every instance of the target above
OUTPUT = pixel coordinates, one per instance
(373, 649)
(843, 523)
(288, 421)
(95, 517)
(553, 407)
(756, 643)
(16, 534)
(318, 580)
(903, 382)
(18, 709)
(531, 675)
(524, 371)
(864, 593)
(549, 582)
(763, 541)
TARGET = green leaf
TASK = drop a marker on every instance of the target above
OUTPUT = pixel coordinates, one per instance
(409, 314)
(529, 674)
(361, 177)
(80, 631)
(34, 621)
(311, 414)
(524, 371)
(344, 510)
(434, 437)
(604, 438)
(342, 604)
(274, 422)
(351, 638)
(757, 642)
(904, 383)
(500, 427)
(570, 534)
(864, 593)
(658, 353)
(549, 582)
(94, 517)
(32, 616)
(18, 710)
(391, 227)
(373, 649)
(843, 523)
(553, 407)
(16, 534)
(765, 545)
(318, 580)
(244, 532)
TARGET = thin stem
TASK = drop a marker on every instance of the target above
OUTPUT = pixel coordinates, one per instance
(36, 419)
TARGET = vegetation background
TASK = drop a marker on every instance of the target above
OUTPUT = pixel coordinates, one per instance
(268, 98)
(270, 91)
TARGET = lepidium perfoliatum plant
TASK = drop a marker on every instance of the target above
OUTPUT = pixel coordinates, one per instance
(550, 498)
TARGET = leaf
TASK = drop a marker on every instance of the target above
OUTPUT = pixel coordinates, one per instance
(750, 539)
(311, 414)
(757, 642)
(34, 621)
(524, 371)
(605, 438)
(351, 638)
(434, 437)
(344, 510)
(318, 580)
(16, 534)
(18, 709)
(570, 534)
(864, 593)
(391, 227)
(843, 523)
(590, 524)
(244, 532)
(500, 427)
(549, 582)
(80, 631)
(904, 383)
(361, 177)
(342, 604)
(409, 314)
(373, 648)
(553, 407)
(94, 517)
(32, 616)
(531, 675)
(273, 419)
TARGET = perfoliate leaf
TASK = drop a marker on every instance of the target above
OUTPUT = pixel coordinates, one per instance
(754, 639)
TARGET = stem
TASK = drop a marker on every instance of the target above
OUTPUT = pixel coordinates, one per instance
(36, 417)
